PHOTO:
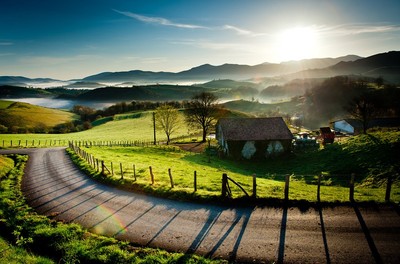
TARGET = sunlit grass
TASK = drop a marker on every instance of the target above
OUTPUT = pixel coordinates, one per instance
(30, 116)
(137, 160)
(132, 129)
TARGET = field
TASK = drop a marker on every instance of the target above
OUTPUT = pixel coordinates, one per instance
(139, 128)
(335, 162)
(371, 157)
(18, 115)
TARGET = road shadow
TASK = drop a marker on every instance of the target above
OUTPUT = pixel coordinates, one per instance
(282, 235)
(323, 231)
(370, 240)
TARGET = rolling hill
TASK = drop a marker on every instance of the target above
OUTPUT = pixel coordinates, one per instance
(20, 117)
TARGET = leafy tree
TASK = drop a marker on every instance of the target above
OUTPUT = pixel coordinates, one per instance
(167, 118)
(202, 111)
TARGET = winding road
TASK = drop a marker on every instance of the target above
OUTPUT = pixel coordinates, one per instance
(345, 234)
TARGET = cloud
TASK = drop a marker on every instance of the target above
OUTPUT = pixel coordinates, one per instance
(6, 43)
(242, 32)
(158, 20)
(355, 29)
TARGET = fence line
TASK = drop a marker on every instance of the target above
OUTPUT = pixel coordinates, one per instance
(226, 192)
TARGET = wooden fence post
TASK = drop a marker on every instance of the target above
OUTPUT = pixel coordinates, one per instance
(388, 188)
(319, 188)
(195, 181)
(170, 178)
(134, 171)
(287, 179)
(102, 167)
(224, 184)
(122, 172)
(352, 187)
(254, 186)
(151, 175)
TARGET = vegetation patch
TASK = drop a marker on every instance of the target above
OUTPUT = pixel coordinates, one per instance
(23, 231)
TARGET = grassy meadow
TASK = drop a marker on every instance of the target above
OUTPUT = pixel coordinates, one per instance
(375, 155)
(18, 115)
(138, 127)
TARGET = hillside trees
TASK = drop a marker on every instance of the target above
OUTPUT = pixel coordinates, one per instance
(380, 103)
(363, 108)
(202, 111)
(168, 119)
(328, 100)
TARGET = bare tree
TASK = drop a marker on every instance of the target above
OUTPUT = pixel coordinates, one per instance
(202, 111)
(364, 109)
(168, 119)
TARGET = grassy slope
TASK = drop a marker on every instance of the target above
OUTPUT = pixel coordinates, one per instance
(139, 128)
(27, 115)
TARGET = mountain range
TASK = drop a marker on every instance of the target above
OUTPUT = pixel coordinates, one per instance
(385, 65)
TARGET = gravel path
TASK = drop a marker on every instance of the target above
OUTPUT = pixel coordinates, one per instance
(344, 234)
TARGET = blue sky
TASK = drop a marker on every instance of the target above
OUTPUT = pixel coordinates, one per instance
(76, 38)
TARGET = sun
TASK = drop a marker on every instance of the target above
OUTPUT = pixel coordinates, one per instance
(297, 43)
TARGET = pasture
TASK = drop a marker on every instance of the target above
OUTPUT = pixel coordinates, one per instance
(129, 166)
(371, 157)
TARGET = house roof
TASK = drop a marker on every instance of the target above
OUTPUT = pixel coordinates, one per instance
(237, 129)
(376, 122)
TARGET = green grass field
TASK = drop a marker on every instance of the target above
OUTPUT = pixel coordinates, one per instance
(23, 115)
(139, 128)
(373, 153)
(372, 157)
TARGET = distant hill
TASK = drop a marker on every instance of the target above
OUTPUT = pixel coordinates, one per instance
(148, 92)
(9, 92)
(29, 82)
(385, 65)
(23, 117)
(226, 71)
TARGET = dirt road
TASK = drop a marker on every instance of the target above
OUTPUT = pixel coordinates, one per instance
(345, 234)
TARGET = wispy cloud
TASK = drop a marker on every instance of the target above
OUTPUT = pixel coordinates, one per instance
(166, 22)
(158, 20)
(242, 32)
(355, 29)
(6, 43)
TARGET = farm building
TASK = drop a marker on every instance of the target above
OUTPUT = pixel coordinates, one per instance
(253, 138)
(354, 126)
(348, 126)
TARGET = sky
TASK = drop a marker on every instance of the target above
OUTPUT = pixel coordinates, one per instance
(70, 39)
